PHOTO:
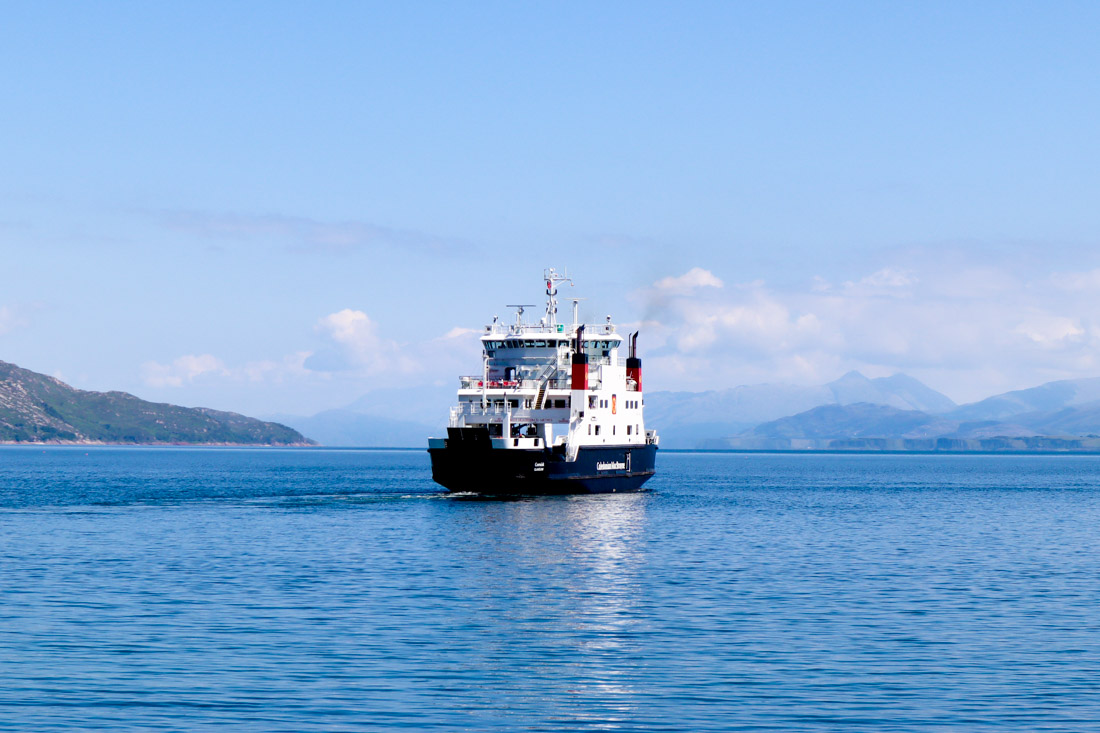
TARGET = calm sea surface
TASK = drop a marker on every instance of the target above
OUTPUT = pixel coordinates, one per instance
(183, 589)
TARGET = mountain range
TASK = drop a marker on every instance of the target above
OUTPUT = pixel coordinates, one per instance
(852, 411)
(35, 408)
(687, 419)
(1057, 415)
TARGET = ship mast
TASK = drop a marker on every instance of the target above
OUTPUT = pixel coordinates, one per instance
(552, 279)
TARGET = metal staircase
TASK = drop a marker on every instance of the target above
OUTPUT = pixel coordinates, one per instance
(543, 378)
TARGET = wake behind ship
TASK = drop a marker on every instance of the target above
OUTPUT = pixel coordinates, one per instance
(555, 410)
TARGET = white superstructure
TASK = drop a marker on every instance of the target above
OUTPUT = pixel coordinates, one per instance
(550, 384)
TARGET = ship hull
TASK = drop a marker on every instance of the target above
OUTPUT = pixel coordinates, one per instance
(464, 466)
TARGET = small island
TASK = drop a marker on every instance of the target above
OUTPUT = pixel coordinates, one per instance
(36, 408)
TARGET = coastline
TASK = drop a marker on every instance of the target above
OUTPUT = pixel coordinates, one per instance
(165, 444)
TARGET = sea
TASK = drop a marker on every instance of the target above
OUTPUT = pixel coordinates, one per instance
(182, 589)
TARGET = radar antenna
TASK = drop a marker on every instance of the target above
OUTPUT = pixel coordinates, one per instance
(552, 278)
(519, 312)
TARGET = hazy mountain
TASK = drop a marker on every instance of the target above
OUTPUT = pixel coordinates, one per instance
(686, 418)
(35, 408)
(401, 417)
(864, 426)
(1077, 420)
(347, 428)
(426, 404)
(1045, 398)
(855, 421)
(900, 391)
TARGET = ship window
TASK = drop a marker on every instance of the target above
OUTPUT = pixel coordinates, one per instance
(513, 403)
(540, 343)
(628, 428)
(612, 429)
(592, 403)
(597, 430)
(515, 441)
(559, 403)
(589, 429)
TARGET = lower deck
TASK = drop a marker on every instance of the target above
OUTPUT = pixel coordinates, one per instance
(467, 462)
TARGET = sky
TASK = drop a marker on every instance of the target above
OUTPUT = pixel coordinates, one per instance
(276, 208)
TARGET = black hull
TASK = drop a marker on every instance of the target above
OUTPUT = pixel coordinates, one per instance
(473, 466)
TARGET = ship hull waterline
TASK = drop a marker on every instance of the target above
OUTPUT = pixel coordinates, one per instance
(471, 468)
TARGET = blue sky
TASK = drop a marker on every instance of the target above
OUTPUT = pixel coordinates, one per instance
(278, 207)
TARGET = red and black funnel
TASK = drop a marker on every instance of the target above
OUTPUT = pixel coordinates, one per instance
(633, 363)
(580, 363)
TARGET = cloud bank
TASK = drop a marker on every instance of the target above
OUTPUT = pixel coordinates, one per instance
(969, 329)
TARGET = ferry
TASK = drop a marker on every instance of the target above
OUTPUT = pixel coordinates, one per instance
(556, 409)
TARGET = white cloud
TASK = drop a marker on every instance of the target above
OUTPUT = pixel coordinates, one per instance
(354, 345)
(350, 327)
(970, 328)
(887, 281)
(1050, 331)
(291, 366)
(182, 370)
(459, 332)
(691, 280)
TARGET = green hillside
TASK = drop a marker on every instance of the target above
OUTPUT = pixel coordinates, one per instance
(35, 408)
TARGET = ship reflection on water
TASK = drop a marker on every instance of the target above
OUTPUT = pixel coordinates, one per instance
(563, 578)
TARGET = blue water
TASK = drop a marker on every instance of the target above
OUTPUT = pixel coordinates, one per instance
(154, 589)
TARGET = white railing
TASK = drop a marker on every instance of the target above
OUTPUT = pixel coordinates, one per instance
(511, 329)
(475, 414)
